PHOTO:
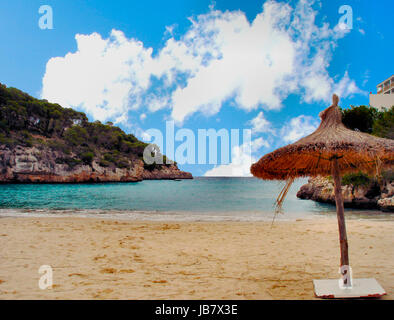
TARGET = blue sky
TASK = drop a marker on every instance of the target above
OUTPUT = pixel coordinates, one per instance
(269, 66)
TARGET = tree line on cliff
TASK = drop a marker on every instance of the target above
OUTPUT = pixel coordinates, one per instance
(373, 121)
(370, 120)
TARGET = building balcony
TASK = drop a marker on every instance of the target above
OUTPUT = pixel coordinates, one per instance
(385, 88)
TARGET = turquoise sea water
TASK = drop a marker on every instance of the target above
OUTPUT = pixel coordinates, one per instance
(247, 199)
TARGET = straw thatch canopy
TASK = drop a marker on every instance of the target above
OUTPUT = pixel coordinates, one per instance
(312, 155)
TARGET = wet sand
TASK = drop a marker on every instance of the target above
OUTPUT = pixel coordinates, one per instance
(108, 259)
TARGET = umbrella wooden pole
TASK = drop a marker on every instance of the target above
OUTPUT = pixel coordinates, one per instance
(341, 221)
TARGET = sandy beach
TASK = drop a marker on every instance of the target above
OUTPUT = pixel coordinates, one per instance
(107, 259)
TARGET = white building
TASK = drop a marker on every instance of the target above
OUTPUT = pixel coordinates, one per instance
(385, 95)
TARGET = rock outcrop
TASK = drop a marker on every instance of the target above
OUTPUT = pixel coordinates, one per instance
(34, 165)
(374, 196)
(386, 204)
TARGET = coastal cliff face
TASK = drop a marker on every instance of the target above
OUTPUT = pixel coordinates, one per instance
(42, 142)
(374, 196)
(34, 165)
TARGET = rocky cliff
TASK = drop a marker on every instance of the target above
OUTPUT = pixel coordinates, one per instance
(372, 196)
(42, 142)
(32, 165)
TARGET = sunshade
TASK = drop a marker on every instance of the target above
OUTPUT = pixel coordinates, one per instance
(332, 150)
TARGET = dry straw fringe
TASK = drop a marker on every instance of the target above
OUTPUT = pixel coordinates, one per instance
(281, 198)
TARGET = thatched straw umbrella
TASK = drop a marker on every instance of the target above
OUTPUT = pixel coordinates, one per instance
(331, 150)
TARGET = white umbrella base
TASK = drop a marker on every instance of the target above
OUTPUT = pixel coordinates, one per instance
(361, 288)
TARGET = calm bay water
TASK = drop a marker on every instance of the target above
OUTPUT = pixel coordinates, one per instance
(247, 199)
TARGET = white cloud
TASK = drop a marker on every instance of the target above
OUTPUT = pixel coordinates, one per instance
(298, 127)
(244, 61)
(145, 136)
(260, 124)
(141, 134)
(242, 156)
(123, 119)
(259, 143)
(102, 77)
(366, 77)
(242, 159)
(170, 29)
(239, 167)
(360, 23)
(221, 56)
(347, 87)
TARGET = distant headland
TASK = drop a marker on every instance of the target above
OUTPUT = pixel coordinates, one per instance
(42, 142)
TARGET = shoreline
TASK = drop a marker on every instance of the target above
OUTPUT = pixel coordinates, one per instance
(89, 182)
(190, 216)
(186, 260)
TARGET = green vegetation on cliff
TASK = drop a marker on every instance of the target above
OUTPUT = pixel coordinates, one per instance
(27, 121)
(356, 179)
(372, 121)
